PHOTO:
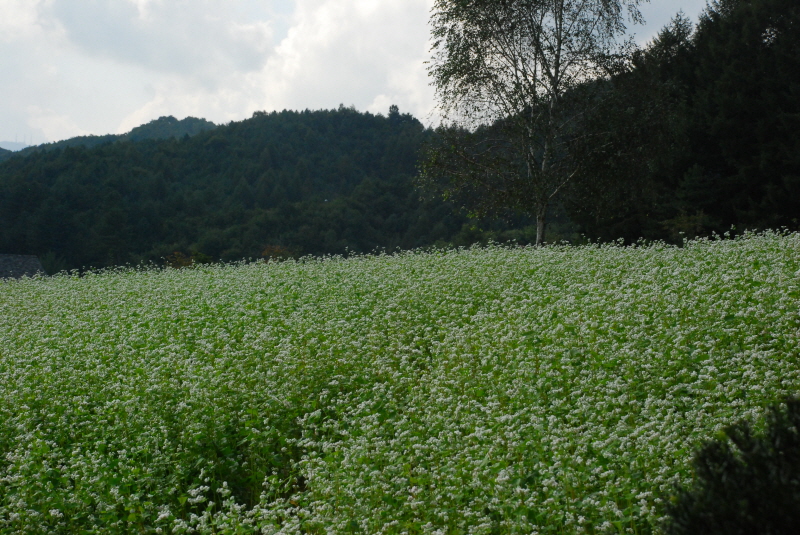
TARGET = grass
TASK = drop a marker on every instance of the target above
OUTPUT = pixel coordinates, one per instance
(485, 390)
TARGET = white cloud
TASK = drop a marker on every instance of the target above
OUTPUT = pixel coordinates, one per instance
(181, 98)
(350, 52)
(368, 53)
(202, 39)
(18, 19)
(106, 66)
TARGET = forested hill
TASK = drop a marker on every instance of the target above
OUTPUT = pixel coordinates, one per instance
(161, 128)
(700, 133)
(279, 183)
(5, 154)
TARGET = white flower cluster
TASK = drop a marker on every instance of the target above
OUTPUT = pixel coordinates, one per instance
(475, 391)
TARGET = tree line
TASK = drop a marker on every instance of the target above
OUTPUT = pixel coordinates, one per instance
(276, 185)
(716, 106)
(692, 134)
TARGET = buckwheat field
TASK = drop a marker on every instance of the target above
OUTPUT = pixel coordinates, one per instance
(484, 390)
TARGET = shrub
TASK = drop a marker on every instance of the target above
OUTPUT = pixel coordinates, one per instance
(745, 482)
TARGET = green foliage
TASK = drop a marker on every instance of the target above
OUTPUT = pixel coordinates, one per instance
(169, 127)
(745, 482)
(53, 263)
(745, 115)
(322, 182)
(490, 390)
(628, 139)
(479, 170)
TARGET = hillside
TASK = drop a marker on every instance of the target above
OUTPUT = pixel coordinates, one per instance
(290, 183)
(161, 128)
(5, 154)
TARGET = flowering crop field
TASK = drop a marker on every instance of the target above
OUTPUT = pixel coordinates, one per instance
(484, 390)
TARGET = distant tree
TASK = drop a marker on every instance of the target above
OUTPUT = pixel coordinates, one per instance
(507, 74)
(745, 483)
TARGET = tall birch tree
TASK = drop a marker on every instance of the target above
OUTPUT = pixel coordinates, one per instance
(507, 75)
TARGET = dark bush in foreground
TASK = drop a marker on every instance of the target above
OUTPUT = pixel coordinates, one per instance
(745, 482)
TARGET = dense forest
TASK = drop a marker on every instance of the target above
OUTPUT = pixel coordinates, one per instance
(700, 132)
(706, 130)
(278, 184)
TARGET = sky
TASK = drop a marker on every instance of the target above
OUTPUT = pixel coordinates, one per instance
(80, 67)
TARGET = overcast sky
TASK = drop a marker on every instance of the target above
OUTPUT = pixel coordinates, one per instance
(77, 67)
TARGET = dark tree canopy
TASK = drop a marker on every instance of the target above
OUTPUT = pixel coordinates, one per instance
(514, 68)
(723, 140)
(745, 115)
(276, 185)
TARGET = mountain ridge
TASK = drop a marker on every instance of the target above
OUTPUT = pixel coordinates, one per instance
(164, 127)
